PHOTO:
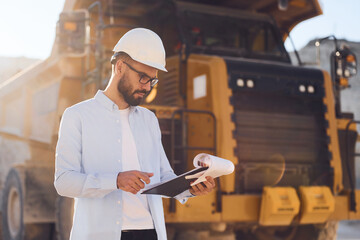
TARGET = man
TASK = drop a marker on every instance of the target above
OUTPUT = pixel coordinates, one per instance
(109, 149)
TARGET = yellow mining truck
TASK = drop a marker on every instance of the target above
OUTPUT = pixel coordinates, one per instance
(231, 90)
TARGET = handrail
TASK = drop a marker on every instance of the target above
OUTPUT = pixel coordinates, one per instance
(180, 111)
(184, 146)
(352, 186)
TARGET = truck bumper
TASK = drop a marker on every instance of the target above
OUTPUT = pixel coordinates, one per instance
(246, 208)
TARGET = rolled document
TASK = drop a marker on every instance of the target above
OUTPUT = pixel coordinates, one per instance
(217, 167)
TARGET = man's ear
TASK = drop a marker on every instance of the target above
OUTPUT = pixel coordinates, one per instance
(118, 67)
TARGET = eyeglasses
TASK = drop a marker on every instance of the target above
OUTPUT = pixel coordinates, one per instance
(144, 79)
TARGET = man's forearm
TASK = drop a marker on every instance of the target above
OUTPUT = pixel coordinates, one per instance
(76, 185)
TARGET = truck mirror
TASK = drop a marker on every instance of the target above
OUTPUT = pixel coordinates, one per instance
(72, 32)
(345, 64)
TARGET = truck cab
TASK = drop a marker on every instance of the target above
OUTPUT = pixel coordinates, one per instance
(230, 90)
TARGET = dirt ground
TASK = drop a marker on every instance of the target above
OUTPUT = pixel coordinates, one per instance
(349, 230)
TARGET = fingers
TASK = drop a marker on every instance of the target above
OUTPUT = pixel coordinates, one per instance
(211, 181)
(137, 183)
(130, 189)
(144, 176)
(208, 186)
(203, 187)
(132, 181)
(199, 189)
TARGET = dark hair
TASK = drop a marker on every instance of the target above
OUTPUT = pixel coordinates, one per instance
(120, 56)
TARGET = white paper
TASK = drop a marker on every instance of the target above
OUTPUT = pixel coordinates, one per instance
(217, 167)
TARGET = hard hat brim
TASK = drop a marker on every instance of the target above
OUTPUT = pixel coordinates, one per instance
(151, 64)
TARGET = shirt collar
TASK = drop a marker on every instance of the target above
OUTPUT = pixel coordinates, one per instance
(107, 103)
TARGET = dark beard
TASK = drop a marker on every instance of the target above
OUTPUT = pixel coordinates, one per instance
(124, 89)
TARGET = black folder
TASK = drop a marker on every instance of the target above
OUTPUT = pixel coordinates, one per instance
(174, 186)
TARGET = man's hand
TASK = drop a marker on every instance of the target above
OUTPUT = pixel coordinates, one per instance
(203, 188)
(133, 181)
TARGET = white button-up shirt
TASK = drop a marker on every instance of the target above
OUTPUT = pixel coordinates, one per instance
(88, 160)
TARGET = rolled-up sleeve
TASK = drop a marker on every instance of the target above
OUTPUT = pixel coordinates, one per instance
(70, 180)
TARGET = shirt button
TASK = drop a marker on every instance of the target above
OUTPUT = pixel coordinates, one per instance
(118, 202)
(117, 222)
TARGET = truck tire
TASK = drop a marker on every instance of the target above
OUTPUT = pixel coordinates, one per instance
(64, 217)
(1, 234)
(12, 207)
(13, 226)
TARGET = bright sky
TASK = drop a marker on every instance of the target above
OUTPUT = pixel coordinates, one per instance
(340, 18)
(28, 26)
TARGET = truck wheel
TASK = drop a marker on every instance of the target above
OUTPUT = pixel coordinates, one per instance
(13, 226)
(1, 234)
(64, 217)
(12, 207)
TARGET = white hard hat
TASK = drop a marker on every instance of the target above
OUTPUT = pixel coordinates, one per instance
(144, 46)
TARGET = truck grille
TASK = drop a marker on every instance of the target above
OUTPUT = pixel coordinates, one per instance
(169, 89)
(273, 120)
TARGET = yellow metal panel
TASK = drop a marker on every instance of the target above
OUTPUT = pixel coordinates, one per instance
(341, 208)
(341, 124)
(215, 97)
(223, 110)
(279, 205)
(317, 204)
(245, 208)
(217, 100)
(70, 26)
(240, 208)
(332, 133)
(198, 209)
